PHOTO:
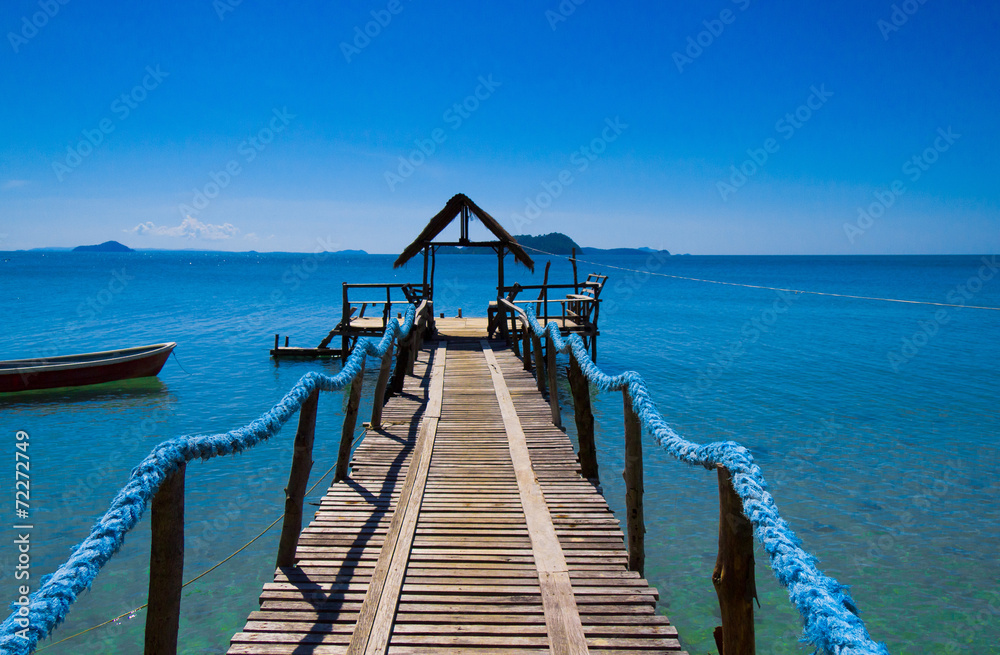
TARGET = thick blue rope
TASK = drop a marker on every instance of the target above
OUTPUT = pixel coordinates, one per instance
(831, 621)
(49, 605)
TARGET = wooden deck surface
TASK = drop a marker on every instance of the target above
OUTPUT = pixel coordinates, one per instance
(465, 528)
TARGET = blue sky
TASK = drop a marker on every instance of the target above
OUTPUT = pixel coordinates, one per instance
(723, 127)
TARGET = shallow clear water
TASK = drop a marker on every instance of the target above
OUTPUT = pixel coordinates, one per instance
(884, 473)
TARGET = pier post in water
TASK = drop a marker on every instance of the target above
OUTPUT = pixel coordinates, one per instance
(402, 366)
(526, 348)
(550, 365)
(298, 479)
(536, 344)
(383, 380)
(166, 566)
(350, 422)
(733, 576)
(633, 488)
(584, 420)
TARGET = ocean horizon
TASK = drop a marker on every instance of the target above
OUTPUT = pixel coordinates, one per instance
(872, 420)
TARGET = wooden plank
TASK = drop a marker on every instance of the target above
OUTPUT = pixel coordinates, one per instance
(375, 621)
(562, 617)
(471, 583)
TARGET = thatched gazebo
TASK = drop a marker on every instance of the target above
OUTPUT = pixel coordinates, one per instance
(461, 205)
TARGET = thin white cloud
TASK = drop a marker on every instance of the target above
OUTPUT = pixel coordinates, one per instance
(251, 236)
(14, 184)
(190, 228)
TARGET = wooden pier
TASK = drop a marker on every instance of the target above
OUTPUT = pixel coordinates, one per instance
(464, 526)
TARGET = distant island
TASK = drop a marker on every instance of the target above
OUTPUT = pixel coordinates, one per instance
(107, 246)
(556, 243)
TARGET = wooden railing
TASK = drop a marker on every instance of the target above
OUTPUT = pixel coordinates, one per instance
(411, 293)
(733, 575)
(571, 304)
(166, 560)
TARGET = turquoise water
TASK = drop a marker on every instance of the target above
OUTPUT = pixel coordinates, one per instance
(875, 423)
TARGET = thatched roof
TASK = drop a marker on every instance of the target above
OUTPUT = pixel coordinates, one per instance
(444, 217)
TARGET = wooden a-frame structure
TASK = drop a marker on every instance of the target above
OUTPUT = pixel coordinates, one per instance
(460, 206)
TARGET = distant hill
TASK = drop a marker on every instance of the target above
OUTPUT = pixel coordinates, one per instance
(556, 243)
(107, 246)
(622, 251)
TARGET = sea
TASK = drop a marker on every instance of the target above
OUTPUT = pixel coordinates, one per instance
(876, 423)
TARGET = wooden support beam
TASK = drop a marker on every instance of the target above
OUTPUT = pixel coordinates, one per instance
(550, 354)
(576, 283)
(539, 363)
(298, 480)
(426, 287)
(166, 566)
(503, 320)
(636, 526)
(378, 401)
(733, 576)
(350, 422)
(584, 421)
(415, 339)
(345, 324)
(526, 348)
(402, 366)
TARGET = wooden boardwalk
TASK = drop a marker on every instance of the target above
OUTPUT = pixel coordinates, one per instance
(464, 528)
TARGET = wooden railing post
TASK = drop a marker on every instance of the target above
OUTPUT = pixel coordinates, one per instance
(350, 422)
(584, 420)
(399, 375)
(550, 355)
(345, 323)
(515, 340)
(633, 488)
(733, 576)
(416, 339)
(383, 380)
(298, 479)
(536, 344)
(526, 347)
(166, 566)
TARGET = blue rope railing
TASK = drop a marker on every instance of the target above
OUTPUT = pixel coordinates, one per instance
(830, 615)
(47, 607)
